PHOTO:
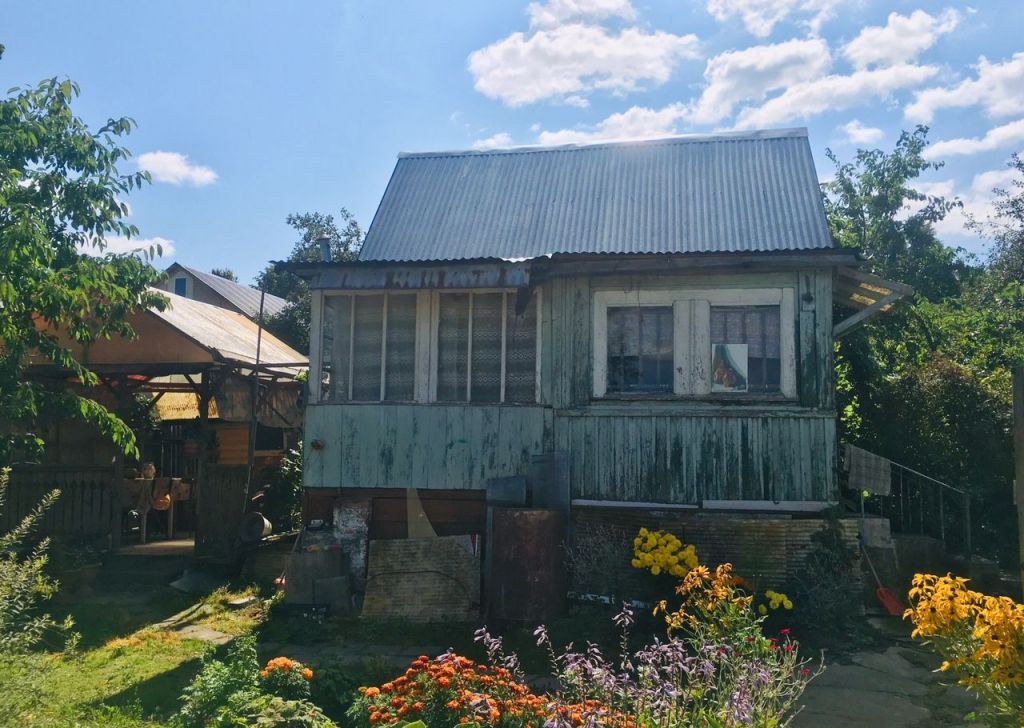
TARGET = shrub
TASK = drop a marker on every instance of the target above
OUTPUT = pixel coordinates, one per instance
(828, 585)
(980, 638)
(286, 679)
(24, 585)
(218, 681)
(447, 691)
(253, 708)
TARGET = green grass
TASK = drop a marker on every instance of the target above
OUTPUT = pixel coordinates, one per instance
(125, 673)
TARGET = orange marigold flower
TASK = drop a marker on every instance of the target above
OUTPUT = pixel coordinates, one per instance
(417, 705)
(307, 673)
(452, 705)
(372, 692)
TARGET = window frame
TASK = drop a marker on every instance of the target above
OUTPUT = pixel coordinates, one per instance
(425, 374)
(691, 337)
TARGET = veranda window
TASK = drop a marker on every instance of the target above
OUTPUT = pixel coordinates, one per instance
(429, 346)
(486, 351)
(369, 347)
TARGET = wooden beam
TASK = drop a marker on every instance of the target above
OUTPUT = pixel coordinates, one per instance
(848, 324)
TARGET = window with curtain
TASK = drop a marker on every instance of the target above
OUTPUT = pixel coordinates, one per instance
(486, 350)
(640, 349)
(369, 347)
(756, 327)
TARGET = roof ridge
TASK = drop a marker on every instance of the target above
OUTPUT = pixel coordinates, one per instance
(729, 136)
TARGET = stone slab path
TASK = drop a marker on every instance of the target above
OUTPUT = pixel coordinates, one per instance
(895, 688)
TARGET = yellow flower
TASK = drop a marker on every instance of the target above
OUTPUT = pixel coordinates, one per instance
(762, 610)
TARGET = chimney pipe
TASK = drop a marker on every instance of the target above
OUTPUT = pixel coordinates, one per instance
(325, 247)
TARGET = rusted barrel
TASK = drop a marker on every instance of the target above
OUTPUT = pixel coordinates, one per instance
(528, 583)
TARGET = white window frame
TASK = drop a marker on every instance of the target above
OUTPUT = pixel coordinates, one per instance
(691, 334)
(428, 308)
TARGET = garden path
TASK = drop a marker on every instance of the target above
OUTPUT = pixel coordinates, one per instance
(895, 688)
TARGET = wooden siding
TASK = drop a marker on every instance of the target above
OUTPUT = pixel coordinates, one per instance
(438, 446)
(661, 456)
(680, 450)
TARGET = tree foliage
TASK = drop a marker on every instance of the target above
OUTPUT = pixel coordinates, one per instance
(292, 324)
(928, 385)
(60, 195)
(225, 273)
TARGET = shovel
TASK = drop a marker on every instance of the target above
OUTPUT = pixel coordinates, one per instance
(889, 601)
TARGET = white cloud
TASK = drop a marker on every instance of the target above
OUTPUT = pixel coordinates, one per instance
(760, 16)
(858, 133)
(978, 200)
(903, 38)
(834, 92)
(121, 245)
(635, 123)
(750, 74)
(176, 169)
(556, 12)
(501, 139)
(573, 59)
(1000, 136)
(998, 89)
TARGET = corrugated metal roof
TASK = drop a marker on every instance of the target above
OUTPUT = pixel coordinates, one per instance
(229, 335)
(699, 194)
(245, 298)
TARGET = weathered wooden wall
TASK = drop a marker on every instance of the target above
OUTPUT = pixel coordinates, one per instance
(660, 456)
(672, 451)
(447, 446)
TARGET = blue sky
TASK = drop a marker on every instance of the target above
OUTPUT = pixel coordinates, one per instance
(248, 111)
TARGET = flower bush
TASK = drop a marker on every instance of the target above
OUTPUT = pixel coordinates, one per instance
(286, 678)
(716, 668)
(446, 691)
(980, 638)
(661, 552)
(235, 692)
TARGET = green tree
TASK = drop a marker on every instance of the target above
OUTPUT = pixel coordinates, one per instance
(928, 384)
(60, 195)
(225, 273)
(872, 205)
(292, 324)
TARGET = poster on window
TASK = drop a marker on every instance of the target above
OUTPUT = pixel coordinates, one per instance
(729, 368)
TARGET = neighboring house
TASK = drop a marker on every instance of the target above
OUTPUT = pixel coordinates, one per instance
(209, 288)
(656, 316)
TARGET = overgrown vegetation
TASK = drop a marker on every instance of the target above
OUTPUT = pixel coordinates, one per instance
(827, 586)
(928, 385)
(24, 583)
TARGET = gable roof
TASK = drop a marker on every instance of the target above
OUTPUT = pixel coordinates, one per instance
(751, 191)
(245, 298)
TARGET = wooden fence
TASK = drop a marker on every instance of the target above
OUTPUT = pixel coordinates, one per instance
(86, 507)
